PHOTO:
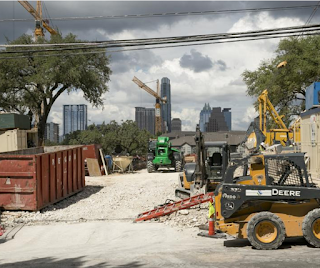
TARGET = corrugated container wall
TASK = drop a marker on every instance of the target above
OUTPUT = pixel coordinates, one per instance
(310, 140)
(30, 180)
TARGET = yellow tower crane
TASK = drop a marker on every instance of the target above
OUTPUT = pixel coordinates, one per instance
(159, 101)
(37, 14)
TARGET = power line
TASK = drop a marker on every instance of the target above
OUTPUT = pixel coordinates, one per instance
(170, 14)
(171, 40)
(157, 47)
(313, 13)
(160, 39)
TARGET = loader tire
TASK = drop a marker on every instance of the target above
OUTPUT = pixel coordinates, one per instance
(177, 166)
(150, 167)
(311, 227)
(266, 230)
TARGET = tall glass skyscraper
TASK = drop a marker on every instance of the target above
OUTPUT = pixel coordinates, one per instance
(75, 117)
(204, 117)
(227, 115)
(166, 107)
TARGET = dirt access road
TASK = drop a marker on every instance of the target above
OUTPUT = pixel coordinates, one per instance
(95, 229)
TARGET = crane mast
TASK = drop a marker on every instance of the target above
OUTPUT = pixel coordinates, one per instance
(159, 101)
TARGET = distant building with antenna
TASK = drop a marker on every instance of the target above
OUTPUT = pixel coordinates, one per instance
(213, 119)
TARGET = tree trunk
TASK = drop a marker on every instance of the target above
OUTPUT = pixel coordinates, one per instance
(41, 130)
(42, 125)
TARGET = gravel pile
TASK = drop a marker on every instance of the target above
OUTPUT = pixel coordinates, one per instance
(114, 197)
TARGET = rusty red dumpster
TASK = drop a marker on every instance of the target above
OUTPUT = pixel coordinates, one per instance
(32, 179)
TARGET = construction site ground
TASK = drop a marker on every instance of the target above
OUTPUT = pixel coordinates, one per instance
(95, 228)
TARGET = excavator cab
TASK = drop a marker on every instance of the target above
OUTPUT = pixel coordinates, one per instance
(208, 170)
(217, 160)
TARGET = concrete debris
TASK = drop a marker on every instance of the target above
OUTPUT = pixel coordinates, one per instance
(184, 212)
(115, 197)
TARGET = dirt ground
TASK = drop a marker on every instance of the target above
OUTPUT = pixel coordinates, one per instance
(114, 197)
(94, 229)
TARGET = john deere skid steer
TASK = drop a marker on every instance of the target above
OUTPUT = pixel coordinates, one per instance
(266, 198)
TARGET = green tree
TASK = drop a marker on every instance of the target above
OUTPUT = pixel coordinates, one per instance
(286, 86)
(127, 135)
(32, 84)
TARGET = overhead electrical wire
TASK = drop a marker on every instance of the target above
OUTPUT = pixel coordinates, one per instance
(157, 47)
(170, 14)
(95, 43)
(314, 11)
(287, 31)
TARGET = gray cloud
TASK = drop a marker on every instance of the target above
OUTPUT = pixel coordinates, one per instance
(222, 66)
(237, 82)
(123, 62)
(86, 29)
(196, 61)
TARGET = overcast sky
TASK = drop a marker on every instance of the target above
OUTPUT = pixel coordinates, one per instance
(198, 74)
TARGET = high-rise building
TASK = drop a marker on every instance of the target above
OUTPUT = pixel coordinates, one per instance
(217, 121)
(140, 117)
(204, 117)
(150, 120)
(175, 124)
(75, 117)
(227, 116)
(166, 107)
(145, 118)
(51, 132)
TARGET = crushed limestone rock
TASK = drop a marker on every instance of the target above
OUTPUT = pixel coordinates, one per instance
(114, 197)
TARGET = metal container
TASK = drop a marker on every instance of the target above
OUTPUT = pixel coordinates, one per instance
(12, 140)
(313, 95)
(12, 121)
(92, 151)
(122, 163)
(33, 179)
(310, 140)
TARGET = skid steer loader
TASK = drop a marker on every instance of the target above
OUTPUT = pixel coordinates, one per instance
(271, 198)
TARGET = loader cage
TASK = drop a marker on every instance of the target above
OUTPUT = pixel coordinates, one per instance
(282, 170)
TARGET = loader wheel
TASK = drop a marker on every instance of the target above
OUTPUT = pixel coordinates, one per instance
(177, 166)
(311, 227)
(150, 167)
(266, 231)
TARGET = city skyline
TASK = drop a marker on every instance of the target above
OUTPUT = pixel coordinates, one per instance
(214, 119)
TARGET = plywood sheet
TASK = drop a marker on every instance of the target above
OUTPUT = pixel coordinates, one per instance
(93, 167)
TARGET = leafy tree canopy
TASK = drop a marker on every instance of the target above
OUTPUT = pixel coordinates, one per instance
(127, 135)
(286, 86)
(33, 83)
